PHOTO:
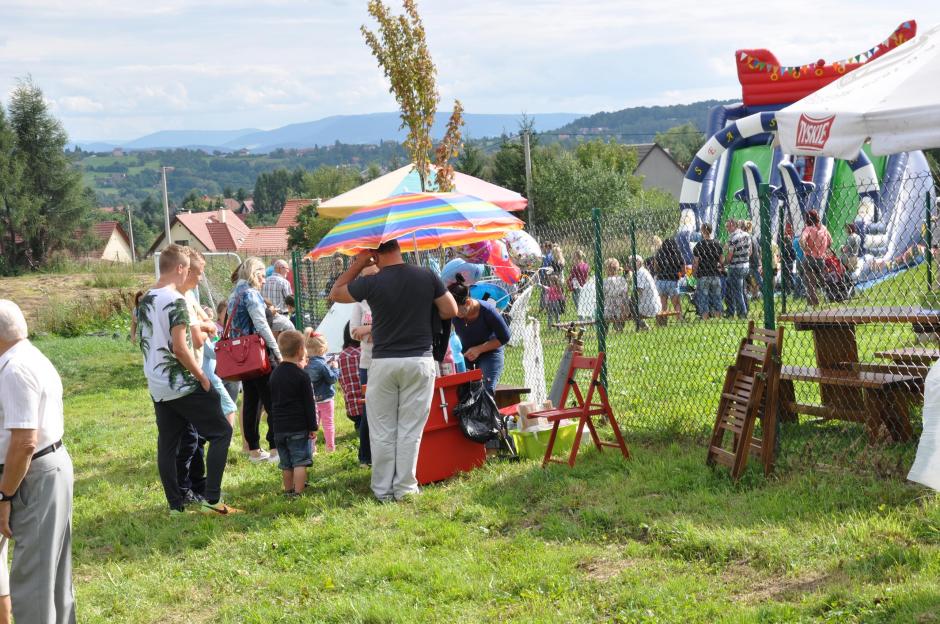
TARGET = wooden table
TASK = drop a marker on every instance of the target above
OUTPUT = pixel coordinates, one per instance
(920, 356)
(509, 395)
(836, 349)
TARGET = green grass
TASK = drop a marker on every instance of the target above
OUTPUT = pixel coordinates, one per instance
(660, 538)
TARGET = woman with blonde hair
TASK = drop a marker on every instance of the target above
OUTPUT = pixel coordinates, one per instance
(247, 310)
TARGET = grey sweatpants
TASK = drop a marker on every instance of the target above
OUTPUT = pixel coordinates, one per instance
(41, 521)
(398, 399)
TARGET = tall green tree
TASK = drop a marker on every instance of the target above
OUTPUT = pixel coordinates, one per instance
(325, 182)
(682, 142)
(310, 228)
(58, 203)
(471, 161)
(11, 196)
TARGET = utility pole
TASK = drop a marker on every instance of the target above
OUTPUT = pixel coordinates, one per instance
(528, 173)
(166, 210)
(130, 231)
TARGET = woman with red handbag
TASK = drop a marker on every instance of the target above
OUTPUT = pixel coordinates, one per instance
(247, 317)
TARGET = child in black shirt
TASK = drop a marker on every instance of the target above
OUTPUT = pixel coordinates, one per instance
(293, 412)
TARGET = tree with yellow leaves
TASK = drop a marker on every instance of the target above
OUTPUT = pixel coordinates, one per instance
(401, 48)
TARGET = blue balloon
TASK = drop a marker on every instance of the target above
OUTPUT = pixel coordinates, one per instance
(471, 272)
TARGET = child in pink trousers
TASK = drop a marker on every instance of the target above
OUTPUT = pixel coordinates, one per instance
(323, 376)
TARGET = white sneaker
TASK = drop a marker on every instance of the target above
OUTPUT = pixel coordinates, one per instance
(273, 457)
(257, 456)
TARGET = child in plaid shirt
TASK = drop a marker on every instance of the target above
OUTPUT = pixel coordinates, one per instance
(349, 377)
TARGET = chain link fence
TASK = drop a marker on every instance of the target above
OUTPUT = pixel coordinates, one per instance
(669, 301)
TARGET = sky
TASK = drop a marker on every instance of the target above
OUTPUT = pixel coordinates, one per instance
(120, 69)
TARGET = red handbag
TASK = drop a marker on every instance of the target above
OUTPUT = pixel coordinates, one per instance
(242, 358)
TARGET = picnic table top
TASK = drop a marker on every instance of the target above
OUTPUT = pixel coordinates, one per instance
(859, 316)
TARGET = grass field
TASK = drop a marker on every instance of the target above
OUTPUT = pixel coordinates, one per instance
(660, 538)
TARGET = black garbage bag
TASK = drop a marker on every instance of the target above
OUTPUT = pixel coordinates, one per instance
(476, 410)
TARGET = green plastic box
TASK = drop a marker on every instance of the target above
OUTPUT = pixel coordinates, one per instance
(532, 444)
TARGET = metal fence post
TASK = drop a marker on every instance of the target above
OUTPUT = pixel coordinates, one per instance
(785, 275)
(296, 260)
(635, 297)
(600, 320)
(928, 236)
(767, 257)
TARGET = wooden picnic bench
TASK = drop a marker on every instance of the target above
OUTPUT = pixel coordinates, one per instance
(874, 394)
(886, 398)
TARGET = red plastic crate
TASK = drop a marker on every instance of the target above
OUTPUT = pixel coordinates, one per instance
(444, 450)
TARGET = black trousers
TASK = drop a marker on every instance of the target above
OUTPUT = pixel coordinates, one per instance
(255, 395)
(201, 411)
(191, 462)
(365, 451)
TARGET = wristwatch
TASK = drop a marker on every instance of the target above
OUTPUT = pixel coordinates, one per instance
(6, 497)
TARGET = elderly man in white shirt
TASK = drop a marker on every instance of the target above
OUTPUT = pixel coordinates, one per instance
(36, 482)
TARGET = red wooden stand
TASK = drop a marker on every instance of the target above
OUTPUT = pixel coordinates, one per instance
(444, 450)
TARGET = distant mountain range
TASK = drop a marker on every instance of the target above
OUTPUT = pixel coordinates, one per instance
(348, 129)
(641, 123)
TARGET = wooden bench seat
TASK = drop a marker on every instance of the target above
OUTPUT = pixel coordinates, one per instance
(852, 378)
(886, 399)
(911, 355)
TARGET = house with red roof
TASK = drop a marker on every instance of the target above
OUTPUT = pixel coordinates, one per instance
(111, 243)
(288, 216)
(222, 230)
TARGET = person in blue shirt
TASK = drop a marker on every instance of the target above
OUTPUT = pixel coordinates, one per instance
(482, 331)
(323, 375)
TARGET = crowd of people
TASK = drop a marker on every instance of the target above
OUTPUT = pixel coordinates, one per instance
(385, 372)
(721, 280)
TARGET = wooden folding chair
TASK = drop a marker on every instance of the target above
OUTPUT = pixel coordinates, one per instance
(748, 395)
(585, 408)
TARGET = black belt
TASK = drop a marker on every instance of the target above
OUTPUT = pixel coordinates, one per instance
(52, 448)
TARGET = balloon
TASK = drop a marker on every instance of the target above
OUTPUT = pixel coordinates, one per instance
(492, 292)
(521, 244)
(502, 265)
(476, 253)
(471, 272)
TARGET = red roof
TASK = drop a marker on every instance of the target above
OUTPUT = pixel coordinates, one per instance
(231, 204)
(265, 241)
(288, 216)
(104, 229)
(229, 231)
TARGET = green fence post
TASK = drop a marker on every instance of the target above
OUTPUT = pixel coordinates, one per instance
(600, 321)
(635, 297)
(296, 260)
(767, 258)
(785, 276)
(928, 235)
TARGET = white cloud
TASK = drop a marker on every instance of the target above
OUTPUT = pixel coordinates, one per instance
(119, 68)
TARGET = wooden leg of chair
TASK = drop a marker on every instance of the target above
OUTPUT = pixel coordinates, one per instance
(768, 439)
(873, 420)
(577, 442)
(618, 434)
(551, 444)
(594, 436)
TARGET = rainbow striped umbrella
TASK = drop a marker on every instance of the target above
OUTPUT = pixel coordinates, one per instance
(421, 221)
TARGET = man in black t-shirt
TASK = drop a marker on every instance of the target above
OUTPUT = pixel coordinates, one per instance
(706, 266)
(401, 377)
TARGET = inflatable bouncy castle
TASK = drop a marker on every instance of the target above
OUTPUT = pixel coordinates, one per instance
(885, 197)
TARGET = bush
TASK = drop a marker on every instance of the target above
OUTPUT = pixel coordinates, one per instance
(75, 317)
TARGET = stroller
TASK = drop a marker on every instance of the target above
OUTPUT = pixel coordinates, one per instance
(837, 284)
